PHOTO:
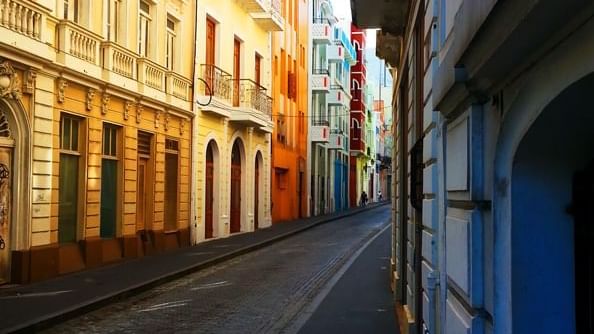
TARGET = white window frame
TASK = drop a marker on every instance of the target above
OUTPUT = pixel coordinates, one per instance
(171, 42)
(144, 30)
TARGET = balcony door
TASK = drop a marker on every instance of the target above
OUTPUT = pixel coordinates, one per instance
(210, 52)
(236, 70)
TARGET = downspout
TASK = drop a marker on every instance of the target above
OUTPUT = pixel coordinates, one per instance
(193, 138)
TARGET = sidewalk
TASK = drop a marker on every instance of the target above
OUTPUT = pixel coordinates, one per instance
(361, 300)
(37, 305)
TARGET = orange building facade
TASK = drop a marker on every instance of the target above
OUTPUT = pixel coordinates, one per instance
(289, 92)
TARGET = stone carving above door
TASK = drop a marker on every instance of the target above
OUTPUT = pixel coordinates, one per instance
(10, 84)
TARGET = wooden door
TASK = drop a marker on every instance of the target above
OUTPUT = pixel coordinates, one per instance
(209, 195)
(142, 221)
(235, 190)
(236, 71)
(257, 69)
(210, 53)
(5, 208)
(256, 193)
(171, 189)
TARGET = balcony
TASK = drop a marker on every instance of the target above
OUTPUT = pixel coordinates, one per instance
(253, 6)
(320, 80)
(336, 96)
(23, 25)
(78, 48)
(119, 60)
(320, 129)
(321, 31)
(253, 108)
(341, 38)
(335, 53)
(337, 140)
(178, 86)
(215, 88)
(271, 18)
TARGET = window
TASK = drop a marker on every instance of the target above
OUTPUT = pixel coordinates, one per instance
(283, 71)
(169, 57)
(109, 182)
(114, 12)
(71, 8)
(144, 21)
(68, 179)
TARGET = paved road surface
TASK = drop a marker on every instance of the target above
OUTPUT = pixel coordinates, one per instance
(265, 291)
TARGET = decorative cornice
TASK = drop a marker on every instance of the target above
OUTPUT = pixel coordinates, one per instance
(9, 81)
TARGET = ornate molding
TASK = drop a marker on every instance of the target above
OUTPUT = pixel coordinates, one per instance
(62, 84)
(9, 81)
(29, 83)
(138, 112)
(250, 130)
(90, 96)
(182, 125)
(104, 102)
(166, 122)
(127, 107)
(157, 117)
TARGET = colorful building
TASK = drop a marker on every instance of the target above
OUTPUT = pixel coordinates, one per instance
(290, 113)
(359, 154)
(96, 109)
(331, 57)
(233, 127)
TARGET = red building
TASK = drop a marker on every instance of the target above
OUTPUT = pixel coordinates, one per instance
(358, 154)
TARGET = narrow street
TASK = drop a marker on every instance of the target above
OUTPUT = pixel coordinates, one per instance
(272, 290)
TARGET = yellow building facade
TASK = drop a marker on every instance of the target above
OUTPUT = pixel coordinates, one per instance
(232, 136)
(95, 132)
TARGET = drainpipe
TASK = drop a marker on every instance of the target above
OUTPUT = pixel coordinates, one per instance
(193, 140)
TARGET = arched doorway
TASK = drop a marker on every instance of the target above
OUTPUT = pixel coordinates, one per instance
(209, 193)
(236, 175)
(7, 144)
(551, 206)
(258, 187)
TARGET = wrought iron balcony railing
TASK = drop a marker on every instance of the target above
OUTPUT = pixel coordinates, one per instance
(219, 82)
(249, 94)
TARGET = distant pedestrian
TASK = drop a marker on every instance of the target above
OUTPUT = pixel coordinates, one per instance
(363, 199)
(379, 196)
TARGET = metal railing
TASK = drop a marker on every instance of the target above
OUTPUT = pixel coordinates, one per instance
(249, 94)
(321, 71)
(218, 81)
(320, 120)
(321, 20)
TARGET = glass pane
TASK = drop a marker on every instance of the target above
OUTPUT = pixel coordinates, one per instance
(105, 141)
(74, 145)
(113, 142)
(65, 134)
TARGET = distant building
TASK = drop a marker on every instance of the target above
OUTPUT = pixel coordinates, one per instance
(331, 58)
(493, 163)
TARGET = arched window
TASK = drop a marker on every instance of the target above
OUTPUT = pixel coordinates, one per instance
(357, 45)
(356, 85)
(355, 123)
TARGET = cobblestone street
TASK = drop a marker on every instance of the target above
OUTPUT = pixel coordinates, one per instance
(260, 292)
